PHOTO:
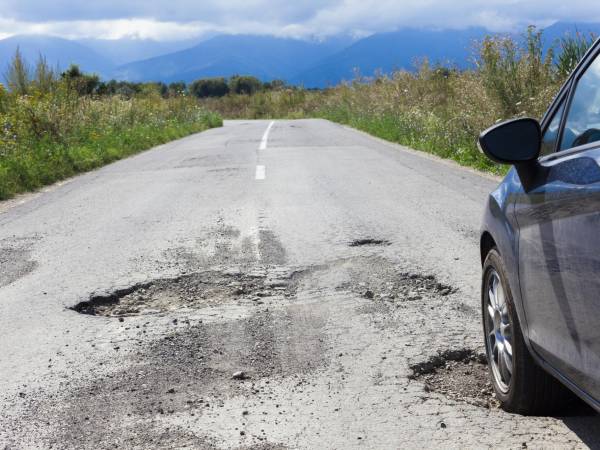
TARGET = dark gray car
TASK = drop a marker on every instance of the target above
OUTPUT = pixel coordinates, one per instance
(540, 250)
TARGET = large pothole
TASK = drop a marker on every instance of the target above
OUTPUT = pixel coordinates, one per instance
(461, 375)
(191, 291)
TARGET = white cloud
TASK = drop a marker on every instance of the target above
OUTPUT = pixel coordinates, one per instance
(184, 19)
(108, 29)
(496, 15)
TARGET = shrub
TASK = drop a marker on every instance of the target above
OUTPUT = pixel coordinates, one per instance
(572, 50)
(513, 74)
(209, 87)
(244, 85)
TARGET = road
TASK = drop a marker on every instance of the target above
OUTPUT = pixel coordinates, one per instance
(257, 286)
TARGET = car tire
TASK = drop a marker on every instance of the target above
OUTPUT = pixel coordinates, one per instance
(529, 390)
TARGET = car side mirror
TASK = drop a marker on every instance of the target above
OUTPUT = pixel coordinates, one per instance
(513, 142)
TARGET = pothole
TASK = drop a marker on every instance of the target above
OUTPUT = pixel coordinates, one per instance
(192, 291)
(368, 241)
(460, 375)
(398, 286)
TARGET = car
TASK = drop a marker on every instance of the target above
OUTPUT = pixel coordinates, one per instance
(540, 252)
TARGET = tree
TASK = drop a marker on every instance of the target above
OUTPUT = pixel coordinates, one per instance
(246, 85)
(209, 87)
(82, 83)
(18, 75)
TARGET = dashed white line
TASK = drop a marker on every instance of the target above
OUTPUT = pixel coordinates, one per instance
(260, 172)
(265, 138)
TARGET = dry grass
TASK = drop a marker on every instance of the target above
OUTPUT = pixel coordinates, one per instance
(48, 136)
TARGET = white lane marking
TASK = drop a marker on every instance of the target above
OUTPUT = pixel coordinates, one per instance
(265, 138)
(260, 172)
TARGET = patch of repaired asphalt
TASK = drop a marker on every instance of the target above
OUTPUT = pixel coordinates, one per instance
(191, 291)
(460, 375)
(186, 374)
(270, 248)
(15, 260)
(204, 161)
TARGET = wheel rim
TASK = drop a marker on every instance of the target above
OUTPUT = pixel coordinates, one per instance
(498, 332)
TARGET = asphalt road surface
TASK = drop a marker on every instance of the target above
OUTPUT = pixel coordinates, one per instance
(259, 286)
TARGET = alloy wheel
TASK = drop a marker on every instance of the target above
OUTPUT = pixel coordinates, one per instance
(498, 328)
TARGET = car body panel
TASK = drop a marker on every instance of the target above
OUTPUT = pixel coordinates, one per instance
(558, 263)
(499, 222)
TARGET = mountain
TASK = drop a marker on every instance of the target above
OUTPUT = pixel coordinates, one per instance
(391, 51)
(403, 49)
(58, 52)
(553, 33)
(126, 50)
(311, 63)
(265, 57)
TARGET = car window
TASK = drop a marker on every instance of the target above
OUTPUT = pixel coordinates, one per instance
(583, 120)
(551, 134)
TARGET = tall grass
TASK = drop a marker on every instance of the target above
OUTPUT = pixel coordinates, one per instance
(52, 133)
(439, 110)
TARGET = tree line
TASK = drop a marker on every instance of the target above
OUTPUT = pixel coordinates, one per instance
(21, 79)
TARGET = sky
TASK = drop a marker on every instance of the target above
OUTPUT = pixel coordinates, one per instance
(169, 20)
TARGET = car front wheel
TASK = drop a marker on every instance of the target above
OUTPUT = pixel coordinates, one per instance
(520, 384)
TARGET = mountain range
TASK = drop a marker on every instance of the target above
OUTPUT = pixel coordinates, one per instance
(312, 63)
(265, 57)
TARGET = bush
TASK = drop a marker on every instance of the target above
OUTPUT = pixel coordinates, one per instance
(244, 85)
(209, 87)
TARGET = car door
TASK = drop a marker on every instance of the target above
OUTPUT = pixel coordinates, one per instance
(559, 237)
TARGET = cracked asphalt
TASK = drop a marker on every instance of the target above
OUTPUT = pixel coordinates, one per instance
(185, 298)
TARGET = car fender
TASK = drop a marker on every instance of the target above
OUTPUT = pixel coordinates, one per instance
(500, 224)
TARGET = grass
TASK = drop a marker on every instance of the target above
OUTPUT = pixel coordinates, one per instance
(48, 136)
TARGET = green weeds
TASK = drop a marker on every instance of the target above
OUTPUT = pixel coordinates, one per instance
(50, 134)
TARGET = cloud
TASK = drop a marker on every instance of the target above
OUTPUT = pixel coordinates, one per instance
(214, 11)
(497, 15)
(135, 28)
(183, 19)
